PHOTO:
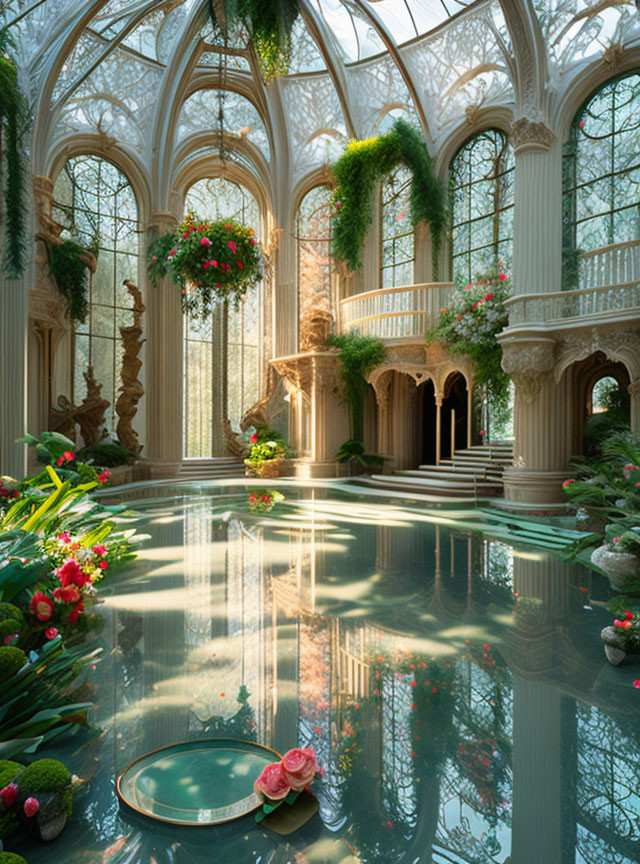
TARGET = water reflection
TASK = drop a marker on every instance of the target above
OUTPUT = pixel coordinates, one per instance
(453, 688)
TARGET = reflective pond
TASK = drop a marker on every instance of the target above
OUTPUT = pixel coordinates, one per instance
(453, 687)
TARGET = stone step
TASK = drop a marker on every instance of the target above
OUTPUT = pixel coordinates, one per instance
(447, 478)
(211, 468)
(420, 482)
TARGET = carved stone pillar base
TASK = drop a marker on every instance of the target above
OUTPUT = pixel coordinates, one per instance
(160, 469)
(308, 469)
(535, 488)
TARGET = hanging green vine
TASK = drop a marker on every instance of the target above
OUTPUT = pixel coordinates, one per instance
(72, 277)
(359, 355)
(361, 166)
(269, 23)
(14, 121)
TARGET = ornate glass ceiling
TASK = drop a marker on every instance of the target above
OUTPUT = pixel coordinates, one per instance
(130, 71)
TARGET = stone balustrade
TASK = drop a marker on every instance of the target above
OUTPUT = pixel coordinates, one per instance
(403, 313)
(618, 264)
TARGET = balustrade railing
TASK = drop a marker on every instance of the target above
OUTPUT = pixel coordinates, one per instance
(618, 264)
(609, 284)
(396, 313)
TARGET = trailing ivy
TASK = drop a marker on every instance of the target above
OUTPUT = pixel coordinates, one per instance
(359, 355)
(71, 275)
(14, 122)
(269, 23)
(470, 325)
(356, 173)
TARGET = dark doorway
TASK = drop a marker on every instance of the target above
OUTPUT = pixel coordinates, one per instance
(428, 396)
(455, 400)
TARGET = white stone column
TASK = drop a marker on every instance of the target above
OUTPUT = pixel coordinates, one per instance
(537, 226)
(164, 357)
(634, 392)
(541, 423)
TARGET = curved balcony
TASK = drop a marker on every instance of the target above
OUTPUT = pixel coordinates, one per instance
(396, 314)
(609, 288)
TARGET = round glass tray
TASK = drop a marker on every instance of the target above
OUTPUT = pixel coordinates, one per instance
(196, 782)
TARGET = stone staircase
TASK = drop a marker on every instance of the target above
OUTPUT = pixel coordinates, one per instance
(211, 469)
(472, 473)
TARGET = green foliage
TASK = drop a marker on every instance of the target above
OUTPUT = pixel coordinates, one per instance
(359, 355)
(356, 173)
(106, 454)
(353, 451)
(209, 261)
(8, 772)
(470, 325)
(158, 255)
(11, 661)
(269, 23)
(615, 418)
(265, 451)
(12, 622)
(44, 775)
(71, 274)
(14, 123)
(12, 858)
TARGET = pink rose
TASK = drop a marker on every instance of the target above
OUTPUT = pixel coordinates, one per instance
(232, 246)
(68, 594)
(273, 783)
(42, 606)
(71, 574)
(239, 263)
(300, 766)
(502, 277)
(254, 242)
(205, 241)
(154, 258)
(51, 632)
(185, 235)
(31, 807)
(171, 254)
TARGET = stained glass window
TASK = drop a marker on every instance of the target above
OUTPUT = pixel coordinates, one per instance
(313, 230)
(481, 194)
(397, 235)
(221, 354)
(96, 203)
(602, 171)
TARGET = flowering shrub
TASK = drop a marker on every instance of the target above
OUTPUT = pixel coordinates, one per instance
(262, 452)
(209, 261)
(470, 326)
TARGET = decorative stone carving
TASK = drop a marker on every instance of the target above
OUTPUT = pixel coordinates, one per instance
(382, 388)
(48, 228)
(314, 329)
(265, 410)
(528, 364)
(234, 446)
(617, 344)
(529, 135)
(131, 390)
(90, 415)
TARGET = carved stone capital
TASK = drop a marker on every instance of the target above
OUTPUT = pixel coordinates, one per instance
(528, 135)
(528, 363)
(47, 228)
(163, 220)
(310, 372)
(634, 389)
(382, 388)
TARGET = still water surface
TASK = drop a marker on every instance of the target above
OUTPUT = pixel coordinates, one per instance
(454, 688)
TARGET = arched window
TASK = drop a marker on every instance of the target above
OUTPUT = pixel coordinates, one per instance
(481, 193)
(602, 173)
(313, 230)
(397, 238)
(222, 353)
(96, 203)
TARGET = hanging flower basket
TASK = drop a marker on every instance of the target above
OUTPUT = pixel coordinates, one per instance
(209, 261)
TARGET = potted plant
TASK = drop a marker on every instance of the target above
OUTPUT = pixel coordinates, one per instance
(618, 556)
(352, 453)
(265, 457)
(621, 638)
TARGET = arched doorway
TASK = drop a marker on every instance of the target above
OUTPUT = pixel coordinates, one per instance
(454, 413)
(427, 414)
(601, 402)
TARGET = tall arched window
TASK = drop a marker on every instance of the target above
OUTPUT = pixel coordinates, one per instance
(222, 353)
(481, 192)
(397, 238)
(602, 172)
(96, 203)
(313, 234)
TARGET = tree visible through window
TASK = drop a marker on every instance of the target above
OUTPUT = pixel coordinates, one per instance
(221, 361)
(96, 203)
(481, 192)
(398, 247)
(313, 229)
(602, 170)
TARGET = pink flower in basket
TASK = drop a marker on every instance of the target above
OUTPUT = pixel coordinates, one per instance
(300, 766)
(273, 783)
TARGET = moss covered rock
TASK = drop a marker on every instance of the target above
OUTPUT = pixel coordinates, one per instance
(8, 772)
(12, 621)
(47, 776)
(12, 858)
(11, 661)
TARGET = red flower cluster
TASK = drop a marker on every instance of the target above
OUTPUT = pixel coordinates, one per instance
(104, 476)
(67, 456)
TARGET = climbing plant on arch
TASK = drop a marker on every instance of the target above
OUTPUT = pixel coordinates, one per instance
(356, 173)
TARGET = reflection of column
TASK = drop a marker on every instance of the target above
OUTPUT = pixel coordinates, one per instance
(164, 369)
(469, 414)
(538, 827)
(219, 379)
